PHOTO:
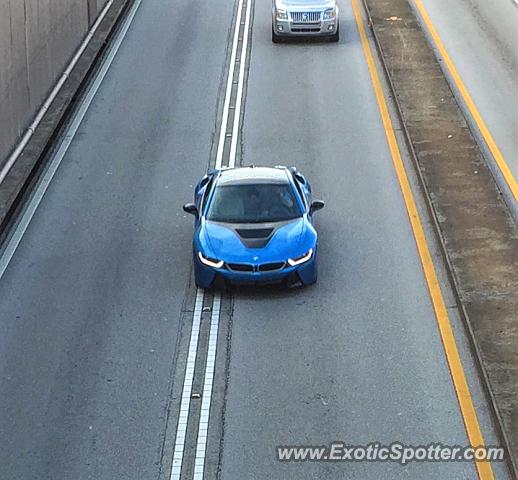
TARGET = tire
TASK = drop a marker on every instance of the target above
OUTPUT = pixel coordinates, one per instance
(336, 36)
(275, 38)
(220, 285)
(309, 277)
(313, 280)
(200, 279)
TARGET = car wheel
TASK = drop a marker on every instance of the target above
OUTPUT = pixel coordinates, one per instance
(201, 278)
(310, 276)
(336, 36)
(275, 38)
(200, 282)
(219, 284)
(312, 280)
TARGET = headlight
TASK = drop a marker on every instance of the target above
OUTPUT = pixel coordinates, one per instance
(281, 14)
(302, 259)
(211, 262)
(329, 13)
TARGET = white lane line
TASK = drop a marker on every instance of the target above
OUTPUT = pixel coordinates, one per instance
(203, 428)
(181, 430)
(67, 139)
(240, 85)
(228, 92)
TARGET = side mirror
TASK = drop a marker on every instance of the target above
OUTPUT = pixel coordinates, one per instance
(190, 208)
(316, 205)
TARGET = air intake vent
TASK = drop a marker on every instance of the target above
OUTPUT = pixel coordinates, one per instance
(254, 232)
(270, 267)
(240, 267)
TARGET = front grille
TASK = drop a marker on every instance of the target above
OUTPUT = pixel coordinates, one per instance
(305, 17)
(270, 267)
(240, 267)
(247, 267)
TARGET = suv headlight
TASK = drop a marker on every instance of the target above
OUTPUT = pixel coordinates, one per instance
(302, 259)
(329, 13)
(281, 14)
(211, 262)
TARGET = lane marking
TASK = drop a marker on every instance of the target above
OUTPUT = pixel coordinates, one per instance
(185, 403)
(65, 142)
(468, 100)
(240, 86)
(228, 92)
(203, 428)
(469, 415)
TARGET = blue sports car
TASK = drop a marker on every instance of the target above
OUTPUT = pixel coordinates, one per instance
(254, 225)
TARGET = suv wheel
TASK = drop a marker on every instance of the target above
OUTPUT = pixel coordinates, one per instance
(275, 38)
(336, 36)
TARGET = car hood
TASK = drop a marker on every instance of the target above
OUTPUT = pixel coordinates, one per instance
(288, 239)
(305, 5)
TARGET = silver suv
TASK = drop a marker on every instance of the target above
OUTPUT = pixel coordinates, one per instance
(305, 18)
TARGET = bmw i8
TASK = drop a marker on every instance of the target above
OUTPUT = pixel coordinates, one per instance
(254, 225)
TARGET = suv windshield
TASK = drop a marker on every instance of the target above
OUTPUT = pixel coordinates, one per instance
(254, 203)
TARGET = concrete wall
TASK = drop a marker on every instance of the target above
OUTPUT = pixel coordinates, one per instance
(37, 40)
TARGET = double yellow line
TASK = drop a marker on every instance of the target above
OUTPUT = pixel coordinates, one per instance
(465, 400)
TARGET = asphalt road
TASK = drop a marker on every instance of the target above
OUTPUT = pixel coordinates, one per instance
(93, 299)
(481, 39)
(357, 358)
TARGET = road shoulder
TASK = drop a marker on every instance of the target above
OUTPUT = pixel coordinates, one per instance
(18, 183)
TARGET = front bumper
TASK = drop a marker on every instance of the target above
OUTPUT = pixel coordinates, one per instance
(206, 276)
(319, 29)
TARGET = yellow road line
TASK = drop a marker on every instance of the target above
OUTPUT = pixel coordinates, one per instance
(477, 117)
(467, 408)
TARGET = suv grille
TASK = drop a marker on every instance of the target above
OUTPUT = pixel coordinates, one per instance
(305, 17)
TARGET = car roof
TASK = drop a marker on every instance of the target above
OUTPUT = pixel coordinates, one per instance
(247, 175)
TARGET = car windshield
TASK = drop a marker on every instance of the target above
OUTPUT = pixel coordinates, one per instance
(254, 203)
